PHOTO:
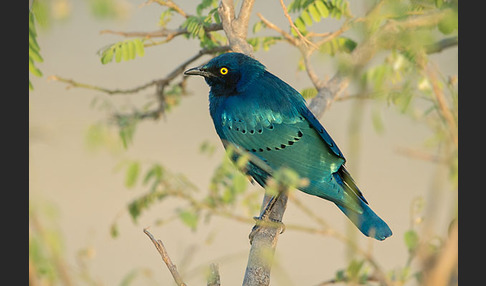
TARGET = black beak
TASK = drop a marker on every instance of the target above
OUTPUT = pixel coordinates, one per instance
(199, 71)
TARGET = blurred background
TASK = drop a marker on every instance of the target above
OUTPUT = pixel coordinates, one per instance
(81, 232)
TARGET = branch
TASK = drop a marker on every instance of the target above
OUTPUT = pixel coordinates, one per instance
(165, 257)
(445, 264)
(159, 83)
(236, 29)
(272, 26)
(170, 5)
(443, 109)
(263, 245)
(327, 94)
(71, 83)
(213, 279)
(168, 34)
(442, 45)
(148, 35)
(291, 23)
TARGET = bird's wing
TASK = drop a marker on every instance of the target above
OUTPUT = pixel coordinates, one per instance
(321, 130)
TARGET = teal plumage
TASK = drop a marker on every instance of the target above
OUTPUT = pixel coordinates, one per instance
(258, 112)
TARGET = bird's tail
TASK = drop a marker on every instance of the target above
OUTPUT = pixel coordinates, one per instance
(368, 222)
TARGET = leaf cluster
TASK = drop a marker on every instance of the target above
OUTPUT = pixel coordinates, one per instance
(124, 50)
(313, 11)
(34, 50)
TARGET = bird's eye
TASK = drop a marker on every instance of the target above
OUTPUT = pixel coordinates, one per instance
(223, 70)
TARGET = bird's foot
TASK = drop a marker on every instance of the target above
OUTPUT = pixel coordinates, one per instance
(265, 221)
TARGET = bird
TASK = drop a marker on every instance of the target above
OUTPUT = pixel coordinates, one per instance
(259, 113)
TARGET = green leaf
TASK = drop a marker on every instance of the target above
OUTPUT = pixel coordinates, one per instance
(125, 51)
(114, 230)
(411, 240)
(33, 69)
(354, 268)
(131, 50)
(306, 18)
(322, 8)
(258, 26)
(239, 183)
(154, 172)
(107, 56)
(309, 93)
(139, 48)
(340, 275)
(136, 207)
(340, 44)
(130, 277)
(34, 54)
(189, 218)
(299, 23)
(132, 174)
(165, 17)
(204, 5)
(449, 22)
(118, 54)
(316, 16)
(377, 121)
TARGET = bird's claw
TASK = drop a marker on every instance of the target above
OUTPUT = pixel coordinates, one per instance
(259, 222)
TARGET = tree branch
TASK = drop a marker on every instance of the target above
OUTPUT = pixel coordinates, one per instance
(264, 243)
(213, 279)
(170, 5)
(159, 83)
(443, 109)
(168, 34)
(236, 29)
(272, 26)
(327, 94)
(165, 257)
(292, 25)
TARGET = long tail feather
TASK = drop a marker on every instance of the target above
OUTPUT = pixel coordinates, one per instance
(369, 223)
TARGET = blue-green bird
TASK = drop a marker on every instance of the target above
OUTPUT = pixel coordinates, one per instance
(258, 112)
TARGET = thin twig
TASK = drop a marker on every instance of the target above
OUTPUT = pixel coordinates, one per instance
(71, 83)
(291, 23)
(165, 257)
(417, 154)
(168, 34)
(318, 84)
(169, 4)
(347, 279)
(148, 35)
(346, 26)
(272, 26)
(444, 111)
(164, 81)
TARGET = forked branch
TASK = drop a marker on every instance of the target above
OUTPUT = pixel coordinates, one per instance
(165, 257)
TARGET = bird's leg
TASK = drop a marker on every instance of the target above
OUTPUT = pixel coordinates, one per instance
(264, 217)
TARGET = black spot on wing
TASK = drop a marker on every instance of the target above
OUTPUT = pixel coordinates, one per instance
(280, 146)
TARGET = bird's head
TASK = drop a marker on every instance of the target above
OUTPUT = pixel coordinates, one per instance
(229, 73)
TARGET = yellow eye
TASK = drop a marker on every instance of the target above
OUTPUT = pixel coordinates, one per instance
(223, 70)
